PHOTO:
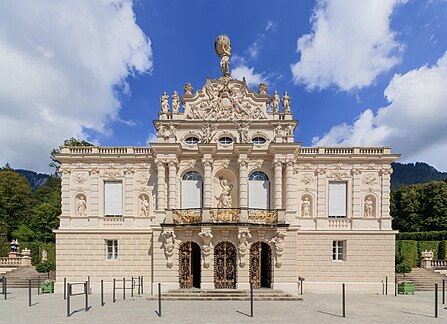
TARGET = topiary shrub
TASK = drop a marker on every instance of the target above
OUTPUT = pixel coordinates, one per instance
(403, 268)
(46, 267)
(441, 250)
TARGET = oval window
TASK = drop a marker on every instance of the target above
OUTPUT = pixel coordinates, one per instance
(225, 140)
(259, 140)
(192, 140)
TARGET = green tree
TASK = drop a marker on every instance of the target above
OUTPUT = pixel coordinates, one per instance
(23, 233)
(44, 220)
(15, 193)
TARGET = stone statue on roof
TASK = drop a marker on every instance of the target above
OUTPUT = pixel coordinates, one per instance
(223, 50)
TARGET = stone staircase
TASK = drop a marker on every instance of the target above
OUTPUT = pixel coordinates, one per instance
(18, 278)
(424, 279)
(227, 294)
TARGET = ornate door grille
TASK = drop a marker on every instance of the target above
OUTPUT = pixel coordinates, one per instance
(225, 265)
(185, 265)
(260, 265)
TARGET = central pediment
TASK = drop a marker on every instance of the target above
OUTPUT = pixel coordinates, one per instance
(225, 99)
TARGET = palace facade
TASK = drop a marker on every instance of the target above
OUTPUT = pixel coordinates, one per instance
(225, 197)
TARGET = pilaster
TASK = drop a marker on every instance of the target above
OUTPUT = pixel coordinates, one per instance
(161, 185)
(278, 184)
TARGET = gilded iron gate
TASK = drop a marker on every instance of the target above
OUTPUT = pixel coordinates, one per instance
(225, 265)
(260, 265)
(185, 265)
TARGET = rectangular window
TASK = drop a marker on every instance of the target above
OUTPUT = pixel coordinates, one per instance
(337, 198)
(338, 250)
(113, 198)
(112, 249)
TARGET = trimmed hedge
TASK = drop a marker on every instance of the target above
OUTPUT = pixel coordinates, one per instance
(407, 252)
(423, 236)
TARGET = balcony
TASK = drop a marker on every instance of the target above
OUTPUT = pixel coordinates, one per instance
(226, 216)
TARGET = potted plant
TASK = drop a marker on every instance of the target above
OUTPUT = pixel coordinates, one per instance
(47, 286)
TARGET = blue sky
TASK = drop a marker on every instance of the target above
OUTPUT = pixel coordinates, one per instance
(359, 72)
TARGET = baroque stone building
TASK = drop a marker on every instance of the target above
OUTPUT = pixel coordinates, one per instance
(225, 197)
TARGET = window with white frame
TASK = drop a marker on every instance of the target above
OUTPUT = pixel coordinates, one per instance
(258, 190)
(191, 190)
(337, 198)
(113, 198)
(112, 249)
(338, 250)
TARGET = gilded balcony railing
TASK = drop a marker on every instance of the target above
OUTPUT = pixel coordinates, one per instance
(225, 215)
(187, 216)
(262, 216)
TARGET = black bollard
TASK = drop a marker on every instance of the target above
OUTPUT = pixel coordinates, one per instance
(87, 287)
(65, 288)
(395, 286)
(68, 299)
(5, 291)
(436, 300)
(251, 299)
(386, 286)
(102, 292)
(142, 285)
(443, 291)
(29, 292)
(131, 287)
(38, 285)
(113, 297)
(124, 288)
(159, 299)
(344, 300)
(139, 286)
(383, 288)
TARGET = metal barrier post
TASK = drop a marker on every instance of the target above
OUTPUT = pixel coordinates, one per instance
(344, 300)
(88, 285)
(65, 288)
(29, 292)
(383, 288)
(38, 285)
(86, 288)
(124, 288)
(159, 299)
(386, 286)
(6, 287)
(139, 285)
(436, 300)
(113, 297)
(395, 286)
(251, 299)
(102, 292)
(131, 287)
(142, 285)
(68, 299)
(443, 291)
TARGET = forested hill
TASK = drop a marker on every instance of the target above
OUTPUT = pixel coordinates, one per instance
(34, 179)
(411, 173)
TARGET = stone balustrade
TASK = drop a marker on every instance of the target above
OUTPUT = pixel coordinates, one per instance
(106, 150)
(345, 150)
(438, 264)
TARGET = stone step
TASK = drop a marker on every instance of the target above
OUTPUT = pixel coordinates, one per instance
(227, 298)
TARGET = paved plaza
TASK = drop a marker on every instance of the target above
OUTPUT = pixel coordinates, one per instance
(51, 308)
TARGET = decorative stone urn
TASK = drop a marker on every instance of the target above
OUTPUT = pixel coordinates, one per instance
(426, 258)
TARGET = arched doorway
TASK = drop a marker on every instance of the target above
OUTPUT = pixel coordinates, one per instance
(189, 265)
(261, 265)
(225, 265)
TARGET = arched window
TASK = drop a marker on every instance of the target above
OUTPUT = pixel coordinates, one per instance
(258, 190)
(191, 190)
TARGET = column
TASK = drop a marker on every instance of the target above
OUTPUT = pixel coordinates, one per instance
(278, 184)
(172, 171)
(289, 186)
(243, 184)
(160, 185)
(207, 183)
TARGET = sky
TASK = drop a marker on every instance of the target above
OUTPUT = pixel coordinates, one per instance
(360, 73)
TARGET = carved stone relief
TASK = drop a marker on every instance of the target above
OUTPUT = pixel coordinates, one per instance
(224, 200)
(169, 246)
(243, 237)
(207, 246)
(278, 241)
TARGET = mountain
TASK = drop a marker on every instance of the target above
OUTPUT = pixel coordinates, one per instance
(35, 179)
(411, 173)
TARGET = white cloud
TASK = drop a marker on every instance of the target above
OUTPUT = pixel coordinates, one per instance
(350, 45)
(151, 138)
(413, 124)
(252, 78)
(63, 65)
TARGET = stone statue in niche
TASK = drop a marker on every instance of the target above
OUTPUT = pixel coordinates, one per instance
(286, 103)
(275, 102)
(169, 245)
(81, 206)
(369, 207)
(208, 132)
(242, 128)
(223, 49)
(175, 102)
(144, 206)
(305, 207)
(224, 200)
(164, 102)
